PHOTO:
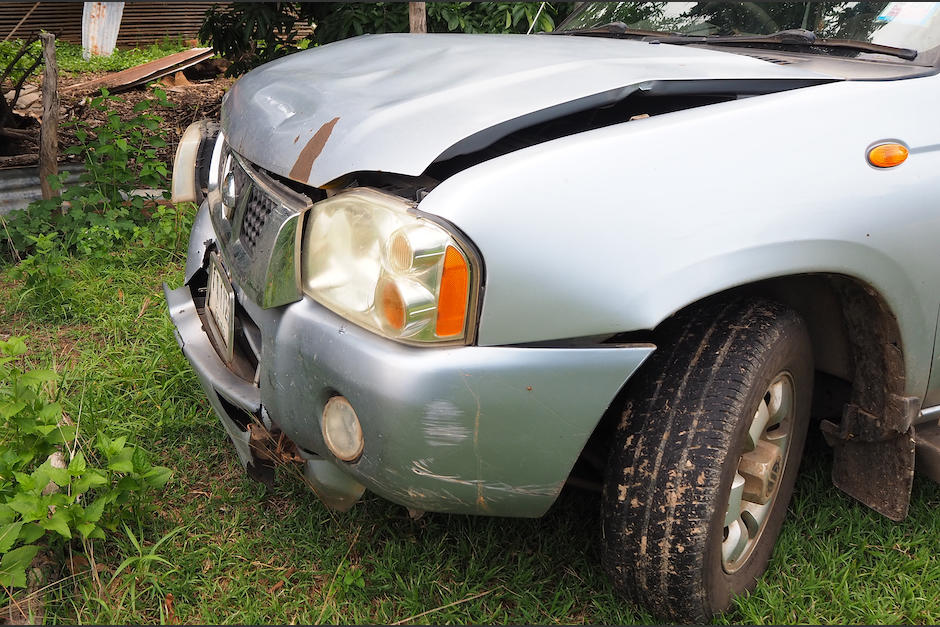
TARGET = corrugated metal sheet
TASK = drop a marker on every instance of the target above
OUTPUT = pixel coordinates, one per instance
(20, 186)
(100, 24)
(146, 72)
(142, 23)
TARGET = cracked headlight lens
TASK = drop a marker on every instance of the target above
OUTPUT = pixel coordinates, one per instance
(370, 260)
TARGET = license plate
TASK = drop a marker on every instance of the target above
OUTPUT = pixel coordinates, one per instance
(220, 303)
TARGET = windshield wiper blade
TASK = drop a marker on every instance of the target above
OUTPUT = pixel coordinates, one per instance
(794, 37)
(616, 29)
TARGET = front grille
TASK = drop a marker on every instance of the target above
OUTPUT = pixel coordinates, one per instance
(257, 238)
(257, 210)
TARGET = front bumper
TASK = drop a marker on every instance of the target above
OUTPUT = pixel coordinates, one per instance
(470, 429)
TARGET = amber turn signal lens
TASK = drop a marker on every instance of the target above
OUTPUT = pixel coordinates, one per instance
(392, 306)
(452, 303)
(887, 155)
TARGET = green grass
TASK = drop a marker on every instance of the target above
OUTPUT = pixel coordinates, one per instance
(228, 552)
(69, 56)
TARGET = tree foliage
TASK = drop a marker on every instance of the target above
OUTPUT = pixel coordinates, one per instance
(251, 33)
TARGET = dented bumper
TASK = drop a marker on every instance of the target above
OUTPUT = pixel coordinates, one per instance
(469, 429)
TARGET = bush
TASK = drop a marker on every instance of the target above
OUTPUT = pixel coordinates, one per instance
(53, 486)
(119, 157)
(97, 215)
(251, 33)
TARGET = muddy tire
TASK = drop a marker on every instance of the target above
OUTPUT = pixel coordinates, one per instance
(705, 457)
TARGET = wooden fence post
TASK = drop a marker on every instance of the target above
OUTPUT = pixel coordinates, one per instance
(417, 17)
(48, 132)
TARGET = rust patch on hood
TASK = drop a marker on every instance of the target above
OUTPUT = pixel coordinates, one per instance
(301, 170)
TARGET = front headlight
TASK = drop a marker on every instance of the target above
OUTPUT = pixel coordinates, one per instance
(366, 257)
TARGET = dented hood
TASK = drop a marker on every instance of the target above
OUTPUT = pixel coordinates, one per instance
(397, 102)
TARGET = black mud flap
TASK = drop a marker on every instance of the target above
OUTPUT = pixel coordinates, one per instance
(874, 457)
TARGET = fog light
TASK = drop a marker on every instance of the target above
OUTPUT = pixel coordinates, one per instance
(341, 430)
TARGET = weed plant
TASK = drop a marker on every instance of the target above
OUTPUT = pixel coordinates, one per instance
(55, 485)
(100, 213)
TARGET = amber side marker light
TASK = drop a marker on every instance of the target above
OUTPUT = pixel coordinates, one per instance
(452, 305)
(887, 155)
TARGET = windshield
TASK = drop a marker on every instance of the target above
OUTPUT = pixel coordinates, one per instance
(913, 25)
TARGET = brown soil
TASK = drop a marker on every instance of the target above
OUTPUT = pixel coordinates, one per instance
(192, 97)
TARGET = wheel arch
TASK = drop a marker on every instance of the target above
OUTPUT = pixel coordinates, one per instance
(857, 346)
(855, 334)
(850, 325)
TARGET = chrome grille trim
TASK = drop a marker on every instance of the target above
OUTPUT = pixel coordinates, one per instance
(260, 240)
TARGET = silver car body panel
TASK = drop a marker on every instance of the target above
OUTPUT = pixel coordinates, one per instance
(396, 102)
(655, 214)
(444, 428)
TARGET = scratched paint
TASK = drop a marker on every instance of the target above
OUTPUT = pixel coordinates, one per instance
(442, 424)
(421, 467)
(313, 148)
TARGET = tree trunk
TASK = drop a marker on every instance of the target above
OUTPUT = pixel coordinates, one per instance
(48, 132)
(417, 17)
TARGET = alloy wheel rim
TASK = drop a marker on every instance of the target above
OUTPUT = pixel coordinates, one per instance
(757, 477)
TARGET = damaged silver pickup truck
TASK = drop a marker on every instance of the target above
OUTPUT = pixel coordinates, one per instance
(461, 271)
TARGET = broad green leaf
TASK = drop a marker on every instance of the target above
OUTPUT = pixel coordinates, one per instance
(103, 443)
(93, 512)
(85, 528)
(158, 476)
(93, 478)
(51, 412)
(14, 564)
(77, 465)
(141, 460)
(31, 532)
(26, 481)
(27, 505)
(8, 535)
(127, 484)
(63, 433)
(121, 462)
(10, 409)
(35, 377)
(59, 522)
(59, 476)
(13, 347)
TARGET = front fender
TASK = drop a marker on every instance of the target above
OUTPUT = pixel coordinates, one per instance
(617, 228)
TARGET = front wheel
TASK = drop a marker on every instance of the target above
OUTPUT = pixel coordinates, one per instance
(705, 457)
